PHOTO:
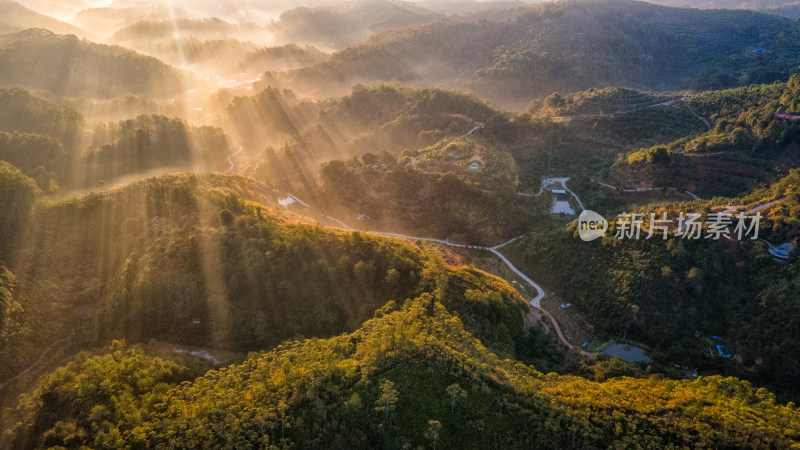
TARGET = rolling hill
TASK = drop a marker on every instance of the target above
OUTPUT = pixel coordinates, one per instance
(412, 376)
(340, 26)
(18, 16)
(213, 260)
(64, 65)
(568, 46)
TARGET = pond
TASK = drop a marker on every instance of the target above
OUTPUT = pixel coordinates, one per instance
(627, 352)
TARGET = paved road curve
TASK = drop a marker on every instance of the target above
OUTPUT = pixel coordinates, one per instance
(535, 302)
(230, 161)
(690, 194)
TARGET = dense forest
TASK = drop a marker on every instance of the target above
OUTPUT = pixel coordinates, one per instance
(341, 26)
(412, 376)
(64, 65)
(568, 46)
(51, 143)
(446, 201)
(207, 254)
(190, 259)
(26, 113)
(147, 142)
(661, 292)
(751, 141)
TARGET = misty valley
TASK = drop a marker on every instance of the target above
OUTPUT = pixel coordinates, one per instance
(393, 224)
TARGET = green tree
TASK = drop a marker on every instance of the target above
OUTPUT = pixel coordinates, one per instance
(388, 398)
(456, 394)
(226, 217)
(17, 193)
(432, 433)
(554, 101)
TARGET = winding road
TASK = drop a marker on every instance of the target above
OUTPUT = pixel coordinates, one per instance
(765, 205)
(534, 302)
(690, 194)
(414, 161)
(588, 116)
(230, 161)
(563, 182)
(32, 366)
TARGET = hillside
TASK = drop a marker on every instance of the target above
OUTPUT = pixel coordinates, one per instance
(211, 43)
(164, 29)
(568, 46)
(38, 59)
(412, 376)
(751, 140)
(337, 27)
(377, 159)
(623, 117)
(388, 117)
(110, 19)
(786, 8)
(437, 193)
(147, 142)
(284, 57)
(661, 292)
(355, 224)
(18, 16)
(212, 260)
(27, 113)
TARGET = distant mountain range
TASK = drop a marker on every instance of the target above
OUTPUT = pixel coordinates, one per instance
(568, 46)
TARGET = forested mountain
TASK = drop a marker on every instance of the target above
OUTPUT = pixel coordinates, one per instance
(622, 117)
(27, 113)
(148, 142)
(202, 260)
(383, 117)
(569, 46)
(753, 140)
(340, 26)
(15, 15)
(48, 142)
(437, 196)
(39, 137)
(354, 156)
(18, 193)
(212, 27)
(411, 376)
(270, 306)
(212, 42)
(64, 65)
(787, 8)
(110, 19)
(661, 292)
(303, 133)
(289, 56)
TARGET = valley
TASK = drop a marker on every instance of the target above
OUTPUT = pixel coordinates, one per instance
(356, 224)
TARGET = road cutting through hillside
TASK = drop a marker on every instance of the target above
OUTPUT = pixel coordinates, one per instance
(590, 116)
(230, 161)
(534, 302)
(414, 161)
(765, 205)
(32, 366)
(690, 194)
